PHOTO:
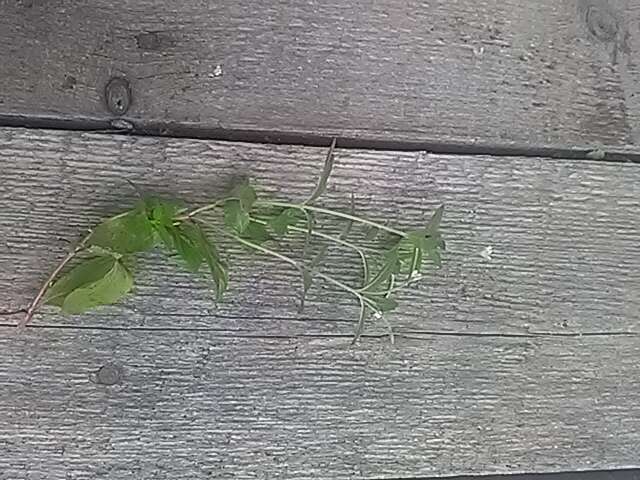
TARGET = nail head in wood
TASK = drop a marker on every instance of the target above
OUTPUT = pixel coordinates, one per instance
(118, 95)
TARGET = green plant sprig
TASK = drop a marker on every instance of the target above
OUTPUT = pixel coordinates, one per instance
(103, 273)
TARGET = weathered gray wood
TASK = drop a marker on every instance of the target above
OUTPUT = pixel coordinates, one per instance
(498, 72)
(193, 405)
(564, 234)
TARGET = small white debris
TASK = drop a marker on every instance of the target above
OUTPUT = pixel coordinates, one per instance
(217, 72)
(487, 252)
(478, 51)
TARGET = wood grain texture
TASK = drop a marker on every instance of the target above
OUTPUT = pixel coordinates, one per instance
(494, 72)
(564, 234)
(192, 405)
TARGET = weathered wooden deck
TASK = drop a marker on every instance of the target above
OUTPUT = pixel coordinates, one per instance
(522, 117)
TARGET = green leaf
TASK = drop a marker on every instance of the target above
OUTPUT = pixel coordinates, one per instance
(160, 212)
(217, 267)
(257, 233)
(381, 280)
(324, 176)
(385, 304)
(370, 234)
(81, 275)
(186, 243)
(127, 233)
(235, 217)
(434, 224)
(246, 195)
(289, 217)
(116, 283)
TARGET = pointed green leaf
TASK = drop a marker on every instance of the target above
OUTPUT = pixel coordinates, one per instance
(289, 217)
(235, 217)
(83, 274)
(434, 224)
(127, 233)
(186, 243)
(257, 233)
(324, 176)
(385, 304)
(106, 290)
(382, 278)
(370, 234)
(246, 195)
(217, 267)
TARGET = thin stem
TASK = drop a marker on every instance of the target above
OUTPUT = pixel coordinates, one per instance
(331, 238)
(35, 303)
(204, 208)
(333, 213)
(295, 264)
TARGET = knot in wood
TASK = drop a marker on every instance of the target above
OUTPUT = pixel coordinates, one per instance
(108, 375)
(602, 23)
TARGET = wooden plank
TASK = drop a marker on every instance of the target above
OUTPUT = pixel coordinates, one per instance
(494, 73)
(564, 234)
(194, 405)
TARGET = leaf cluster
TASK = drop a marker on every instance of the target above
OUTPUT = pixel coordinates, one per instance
(104, 274)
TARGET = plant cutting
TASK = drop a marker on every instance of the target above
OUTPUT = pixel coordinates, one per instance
(98, 271)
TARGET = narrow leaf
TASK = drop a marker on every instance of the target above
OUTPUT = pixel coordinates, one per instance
(128, 233)
(217, 267)
(383, 277)
(324, 176)
(116, 283)
(235, 217)
(434, 224)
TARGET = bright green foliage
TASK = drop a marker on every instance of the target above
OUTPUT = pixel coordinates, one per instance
(97, 281)
(130, 232)
(235, 217)
(396, 262)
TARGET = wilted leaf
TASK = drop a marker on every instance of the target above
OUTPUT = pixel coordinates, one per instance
(128, 233)
(186, 243)
(116, 283)
(235, 217)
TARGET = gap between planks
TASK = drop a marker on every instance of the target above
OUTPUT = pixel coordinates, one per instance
(599, 153)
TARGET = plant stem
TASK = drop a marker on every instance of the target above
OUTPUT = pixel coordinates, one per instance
(35, 303)
(204, 208)
(337, 240)
(333, 213)
(297, 265)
